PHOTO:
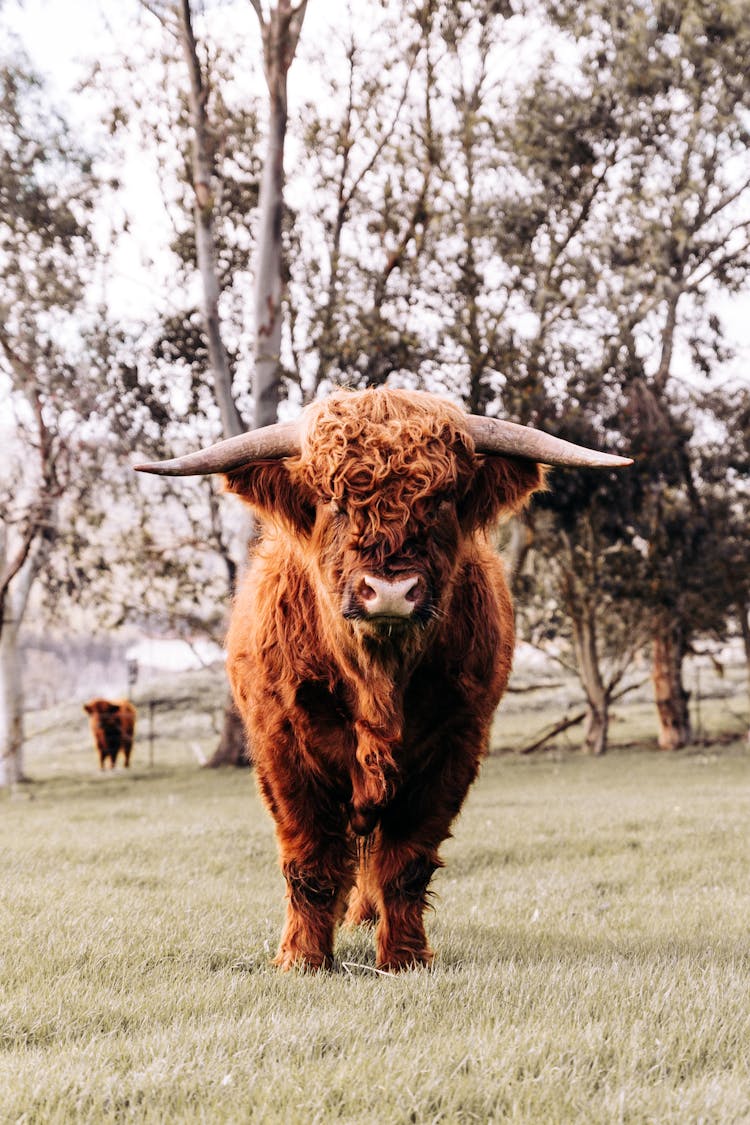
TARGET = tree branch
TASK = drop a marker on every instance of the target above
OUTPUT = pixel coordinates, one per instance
(296, 19)
(572, 720)
(12, 568)
(255, 4)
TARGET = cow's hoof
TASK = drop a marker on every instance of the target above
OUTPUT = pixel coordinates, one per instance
(287, 959)
(400, 961)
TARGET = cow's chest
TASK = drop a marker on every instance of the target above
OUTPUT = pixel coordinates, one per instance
(326, 719)
(323, 723)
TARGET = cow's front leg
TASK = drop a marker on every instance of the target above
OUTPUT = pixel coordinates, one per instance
(317, 889)
(317, 855)
(403, 872)
(412, 828)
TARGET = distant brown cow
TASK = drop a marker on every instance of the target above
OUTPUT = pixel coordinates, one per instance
(113, 726)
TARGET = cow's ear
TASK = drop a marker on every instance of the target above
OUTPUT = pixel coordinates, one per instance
(501, 486)
(88, 708)
(270, 488)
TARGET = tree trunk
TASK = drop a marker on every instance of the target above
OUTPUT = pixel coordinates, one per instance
(596, 727)
(268, 267)
(280, 34)
(519, 544)
(596, 722)
(669, 693)
(202, 168)
(232, 749)
(11, 681)
(11, 709)
(743, 611)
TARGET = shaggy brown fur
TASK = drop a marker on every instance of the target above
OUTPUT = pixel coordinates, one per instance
(113, 727)
(364, 730)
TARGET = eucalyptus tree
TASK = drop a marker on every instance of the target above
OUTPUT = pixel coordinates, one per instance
(628, 220)
(52, 371)
(215, 141)
(224, 144)
(521, 219)
(676, 78)
(280, 26)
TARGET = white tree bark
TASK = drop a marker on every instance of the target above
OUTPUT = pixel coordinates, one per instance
(268, 275)
(205, 241)
(280, 33)
(11, 709)
(11, 683)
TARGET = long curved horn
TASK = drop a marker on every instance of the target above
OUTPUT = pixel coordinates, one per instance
(282, 439)
(492, 435)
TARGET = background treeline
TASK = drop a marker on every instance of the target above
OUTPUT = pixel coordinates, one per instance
(541, 209)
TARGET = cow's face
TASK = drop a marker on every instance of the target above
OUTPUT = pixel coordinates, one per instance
(384, 494)
(382, 567)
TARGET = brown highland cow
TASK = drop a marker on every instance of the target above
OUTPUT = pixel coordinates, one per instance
(371, 642)
(113, 727)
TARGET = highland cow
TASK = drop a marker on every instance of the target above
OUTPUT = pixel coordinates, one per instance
(113, 727)
(370, 643)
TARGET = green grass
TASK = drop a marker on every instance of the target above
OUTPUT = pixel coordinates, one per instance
(591, 929)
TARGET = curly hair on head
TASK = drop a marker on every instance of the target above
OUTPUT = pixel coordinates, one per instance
(359, 452)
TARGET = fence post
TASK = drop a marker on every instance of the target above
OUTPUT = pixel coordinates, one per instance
(151, 709)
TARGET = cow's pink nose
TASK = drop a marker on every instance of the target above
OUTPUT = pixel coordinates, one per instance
(389, 599)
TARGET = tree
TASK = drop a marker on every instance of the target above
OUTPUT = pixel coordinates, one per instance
(685, 233)
(203, 175)
(280, 28)
(521, 244)
(628, 217)
(231, 748)
(51, 374)
(587, 567)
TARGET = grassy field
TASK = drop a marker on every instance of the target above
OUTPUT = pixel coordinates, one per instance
(591, 929)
